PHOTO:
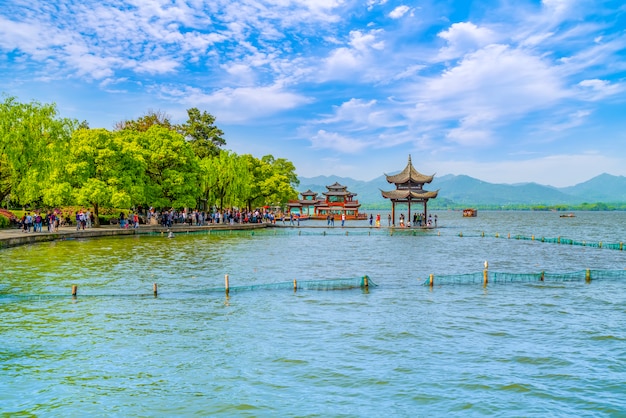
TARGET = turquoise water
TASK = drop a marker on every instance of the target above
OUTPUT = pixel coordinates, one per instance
(399, 349)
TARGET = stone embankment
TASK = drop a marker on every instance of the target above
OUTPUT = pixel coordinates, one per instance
(16, 237)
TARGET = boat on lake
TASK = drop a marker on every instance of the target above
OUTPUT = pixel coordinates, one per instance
(470, 213)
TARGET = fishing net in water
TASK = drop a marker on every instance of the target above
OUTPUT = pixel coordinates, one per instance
(327, 284)
(504, 277)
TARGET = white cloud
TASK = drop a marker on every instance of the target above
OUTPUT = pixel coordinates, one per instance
(463, 38)
(238, 105)
(355, 59)
(596, 89)
(398, 12)
(337, 142)
(493, 85)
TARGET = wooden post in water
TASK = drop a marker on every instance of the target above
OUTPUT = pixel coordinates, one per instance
(295, 285)
(155, 289)
(543, 274)
(431, 281)
(621, 246)
(74, 290)
(226, 284)
(587, 276)
(365, 282)
(485, 274)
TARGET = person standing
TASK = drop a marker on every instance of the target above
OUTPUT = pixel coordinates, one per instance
(343, 219)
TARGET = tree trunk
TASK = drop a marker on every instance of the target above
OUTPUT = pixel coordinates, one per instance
(96, 217)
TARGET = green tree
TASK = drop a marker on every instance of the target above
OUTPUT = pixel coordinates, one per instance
(149, 119)
(172, 169)
(33, 144)
(225, 179)
(105, 169)
(200, 130)
(273, 181)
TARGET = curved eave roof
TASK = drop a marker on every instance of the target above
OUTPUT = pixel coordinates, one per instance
(409, 174)
(338, 193)
(405, 194)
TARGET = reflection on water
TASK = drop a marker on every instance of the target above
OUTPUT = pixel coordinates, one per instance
(399, 349)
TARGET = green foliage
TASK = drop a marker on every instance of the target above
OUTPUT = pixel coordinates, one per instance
(33, 141)
(205, 138)
(145, 122)
(225, 179)
(102, 168)
(273, 181)
(172, 169)
(47, 161)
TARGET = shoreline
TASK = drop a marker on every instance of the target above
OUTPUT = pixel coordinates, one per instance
(16, 237)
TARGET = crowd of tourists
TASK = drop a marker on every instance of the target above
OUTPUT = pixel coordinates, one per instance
(52, 220)
(37, 221)
(169, 218)
(419, 219)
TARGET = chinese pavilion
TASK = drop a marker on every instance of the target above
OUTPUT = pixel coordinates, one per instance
(409, 189)
(305, 206)
(338, 200)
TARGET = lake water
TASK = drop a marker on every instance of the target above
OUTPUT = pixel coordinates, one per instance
(402, 349)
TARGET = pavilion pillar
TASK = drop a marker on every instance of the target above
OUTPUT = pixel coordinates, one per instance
(425, 212)
(409, 218)
(393, 213)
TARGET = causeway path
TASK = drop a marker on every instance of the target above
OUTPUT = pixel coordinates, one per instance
(13, 237)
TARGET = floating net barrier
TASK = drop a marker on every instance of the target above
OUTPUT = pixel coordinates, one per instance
(558, 240)
(296, 285)
(487, 277)
(327, 284)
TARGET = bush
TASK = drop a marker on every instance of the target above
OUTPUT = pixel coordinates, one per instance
(4, 222)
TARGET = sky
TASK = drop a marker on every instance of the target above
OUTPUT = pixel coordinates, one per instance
(506, 91)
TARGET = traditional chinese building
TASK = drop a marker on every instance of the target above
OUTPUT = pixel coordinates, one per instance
(305, 206)
(337, 200)
(409, 190)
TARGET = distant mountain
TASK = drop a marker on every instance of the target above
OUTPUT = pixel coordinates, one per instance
(602, 188)
(466, 190)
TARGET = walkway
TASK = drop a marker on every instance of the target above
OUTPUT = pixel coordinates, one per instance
(14, 237)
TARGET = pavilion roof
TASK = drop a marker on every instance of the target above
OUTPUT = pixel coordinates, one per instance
(414, 194)
(409, 174)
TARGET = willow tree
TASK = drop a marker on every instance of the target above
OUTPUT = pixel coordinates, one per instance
(225, 179)
(273, 181)
(105, 169)
(33, 142)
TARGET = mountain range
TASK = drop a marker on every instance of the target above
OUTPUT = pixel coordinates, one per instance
(466, 190)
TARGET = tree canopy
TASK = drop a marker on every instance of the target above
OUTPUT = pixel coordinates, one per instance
(49, 161)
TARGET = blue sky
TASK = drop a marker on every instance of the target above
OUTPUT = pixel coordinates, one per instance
(505, 91)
